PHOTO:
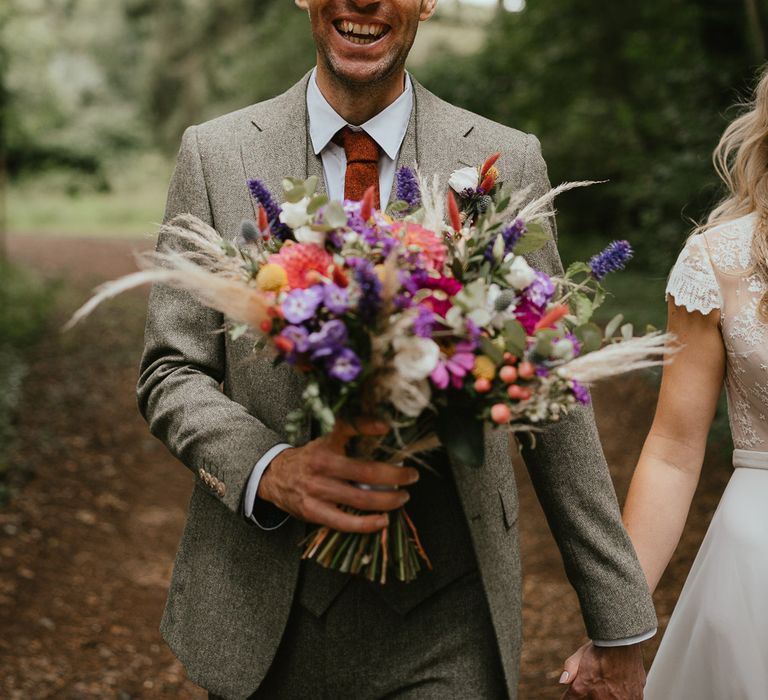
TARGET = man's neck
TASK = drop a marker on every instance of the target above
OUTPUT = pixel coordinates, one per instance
(357, 106)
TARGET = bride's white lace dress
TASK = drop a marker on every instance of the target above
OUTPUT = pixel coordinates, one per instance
(716, 644)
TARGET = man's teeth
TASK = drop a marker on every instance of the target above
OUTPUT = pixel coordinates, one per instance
(361, 30)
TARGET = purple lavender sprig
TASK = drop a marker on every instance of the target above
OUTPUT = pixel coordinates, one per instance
(613, 258)
(263, 196)
(511, 236)
(407, 186)
(370, 288)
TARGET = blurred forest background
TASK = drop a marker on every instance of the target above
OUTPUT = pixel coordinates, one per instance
(94, 97)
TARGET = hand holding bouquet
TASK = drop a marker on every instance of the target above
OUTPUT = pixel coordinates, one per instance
(426, 315)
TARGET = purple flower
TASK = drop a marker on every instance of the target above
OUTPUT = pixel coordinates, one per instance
(328, 340)
(424, 322)
(541, 290)
(336, 298)
(575, 342)
(370, 288)
(407, 187)
(580, 392)
(301, 304)
(263, 196)
(612, 259)
(453, 369)
(298, 335)
(344, 366)
(511, 235)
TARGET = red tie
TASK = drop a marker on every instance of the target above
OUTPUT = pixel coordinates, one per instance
(362, 164)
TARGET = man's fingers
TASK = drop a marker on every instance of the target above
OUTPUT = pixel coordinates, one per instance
(343, 493)
(325, 514)
(374, 473)
(571, 666)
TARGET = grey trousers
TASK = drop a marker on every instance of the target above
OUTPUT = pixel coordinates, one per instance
(360, 649)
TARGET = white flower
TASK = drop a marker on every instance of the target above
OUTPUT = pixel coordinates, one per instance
(304, 234)
(464, 179)
(520, 274)
(415, 357)
(295, 214)
(411, 398)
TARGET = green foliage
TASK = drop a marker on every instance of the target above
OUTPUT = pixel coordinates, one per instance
(634, 93)
(25, 304)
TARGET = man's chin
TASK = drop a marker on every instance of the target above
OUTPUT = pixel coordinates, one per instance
(360, 73)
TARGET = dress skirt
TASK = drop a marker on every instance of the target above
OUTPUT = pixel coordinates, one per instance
(716, 644)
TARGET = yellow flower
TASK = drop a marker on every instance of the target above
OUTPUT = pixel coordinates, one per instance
(484, 368)
(271, 278)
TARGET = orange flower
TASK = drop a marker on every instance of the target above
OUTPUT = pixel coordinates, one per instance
(300, 260)
(428, 243)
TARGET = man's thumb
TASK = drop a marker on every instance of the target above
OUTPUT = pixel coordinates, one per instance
(571, 668)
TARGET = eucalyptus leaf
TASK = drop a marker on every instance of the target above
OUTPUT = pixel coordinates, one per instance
(544, 341)
(310, 185)
(335, 215)
(535, 238)
(398, 206)
(590, 336)
(319, 200)
(490, 349)
(237, 331)
(294, 195)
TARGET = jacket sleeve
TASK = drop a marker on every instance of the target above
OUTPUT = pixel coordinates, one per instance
(574, 487)
(182, 367)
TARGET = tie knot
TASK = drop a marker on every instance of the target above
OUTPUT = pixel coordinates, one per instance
(358, 146)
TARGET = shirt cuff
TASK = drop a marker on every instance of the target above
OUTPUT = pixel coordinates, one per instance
(625, 642)
(266, 515)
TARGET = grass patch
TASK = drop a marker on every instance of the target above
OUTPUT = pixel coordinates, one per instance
(26, 302)
(67, 204)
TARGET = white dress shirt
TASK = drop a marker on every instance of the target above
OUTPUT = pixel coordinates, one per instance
(388, 130)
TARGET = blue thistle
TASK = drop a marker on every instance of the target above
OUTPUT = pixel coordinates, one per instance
(612, 259)
(408, 187)
(511, 236)
(263, 196)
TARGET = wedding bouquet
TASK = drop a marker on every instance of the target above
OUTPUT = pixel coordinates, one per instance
(425, 314)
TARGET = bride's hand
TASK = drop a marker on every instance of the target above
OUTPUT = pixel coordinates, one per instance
(571, 665)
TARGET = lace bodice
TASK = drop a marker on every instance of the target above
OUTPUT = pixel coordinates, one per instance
(714, 272)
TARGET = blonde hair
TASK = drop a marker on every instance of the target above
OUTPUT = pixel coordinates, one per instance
(741, 161)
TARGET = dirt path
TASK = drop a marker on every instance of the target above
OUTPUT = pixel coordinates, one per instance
(86, 547)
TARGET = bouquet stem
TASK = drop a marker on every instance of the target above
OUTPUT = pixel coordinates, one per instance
(371, 555)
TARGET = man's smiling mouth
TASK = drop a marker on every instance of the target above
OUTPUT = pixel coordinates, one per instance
(360, 33)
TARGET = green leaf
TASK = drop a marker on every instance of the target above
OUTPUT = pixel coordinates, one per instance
(503, 203)
(310, 185)
(318, 201)
(590, 336)
(398, 206)
(488, 348)
(576, 268)
(599, 298)
(335, 215)
(295, 195)
(514, 337)
(613, 325)
(535, 238)
(237, 331)
(583, 307)
(461, 433)
(544, 340)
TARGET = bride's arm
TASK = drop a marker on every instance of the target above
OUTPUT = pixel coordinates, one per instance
(670, 464)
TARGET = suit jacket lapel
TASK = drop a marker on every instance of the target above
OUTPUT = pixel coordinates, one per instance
(278, 146)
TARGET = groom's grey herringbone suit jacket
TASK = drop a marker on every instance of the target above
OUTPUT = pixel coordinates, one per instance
(233, 584)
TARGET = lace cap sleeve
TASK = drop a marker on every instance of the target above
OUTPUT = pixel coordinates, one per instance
(692, 282)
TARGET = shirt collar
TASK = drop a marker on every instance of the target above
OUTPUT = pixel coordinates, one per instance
(387, 128)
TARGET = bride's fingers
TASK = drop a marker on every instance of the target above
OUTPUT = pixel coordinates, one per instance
(571, 666)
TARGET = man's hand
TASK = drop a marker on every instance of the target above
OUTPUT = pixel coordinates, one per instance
(310, 482)
(605, 673)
